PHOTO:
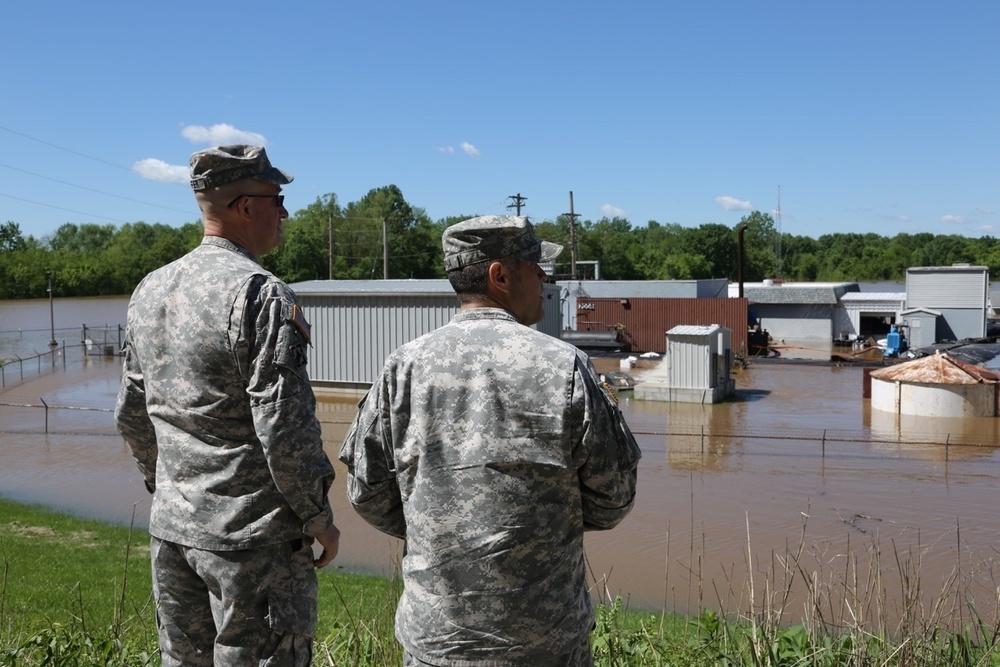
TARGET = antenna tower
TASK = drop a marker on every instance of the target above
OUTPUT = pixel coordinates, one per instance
(777, 241)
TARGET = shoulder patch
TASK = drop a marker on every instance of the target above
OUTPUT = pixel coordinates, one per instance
(609, 392)
(299, 320)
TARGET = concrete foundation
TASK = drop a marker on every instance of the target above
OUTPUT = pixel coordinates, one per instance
(661, 391)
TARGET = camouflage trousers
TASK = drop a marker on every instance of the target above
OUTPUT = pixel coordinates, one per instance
(581, 656)
(254, 607)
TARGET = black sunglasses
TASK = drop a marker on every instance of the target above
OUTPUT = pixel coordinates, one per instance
(279, 200)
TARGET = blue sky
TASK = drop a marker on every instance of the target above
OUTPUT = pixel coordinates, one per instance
(853, 116)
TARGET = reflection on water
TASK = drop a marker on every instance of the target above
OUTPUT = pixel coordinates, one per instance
(796, 469)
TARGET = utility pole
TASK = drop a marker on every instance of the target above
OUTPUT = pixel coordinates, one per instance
(385, 251)
(329, 231)
(52, 319)
(572, 236)
(518, 202)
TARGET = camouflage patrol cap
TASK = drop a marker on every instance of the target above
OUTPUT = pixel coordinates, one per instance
(220, 165)
(491, 237)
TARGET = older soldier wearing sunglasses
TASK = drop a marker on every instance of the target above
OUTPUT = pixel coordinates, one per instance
(216, 406)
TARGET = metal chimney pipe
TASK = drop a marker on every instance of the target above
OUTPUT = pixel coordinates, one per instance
(739, 266)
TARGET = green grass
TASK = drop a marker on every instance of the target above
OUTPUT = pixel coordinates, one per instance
(67, 581)
(76, 593)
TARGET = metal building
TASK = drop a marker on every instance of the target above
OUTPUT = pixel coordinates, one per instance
(575, 290)
(798, 311)
(920, 326)
(868, 314)
(959, 292)
(698, 367)
(644, 322)
(356, 324)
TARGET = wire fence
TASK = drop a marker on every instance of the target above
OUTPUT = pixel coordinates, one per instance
(13, 370)
(685, 441)
(17, 367)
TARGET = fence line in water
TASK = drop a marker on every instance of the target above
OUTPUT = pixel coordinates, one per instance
(689, 442)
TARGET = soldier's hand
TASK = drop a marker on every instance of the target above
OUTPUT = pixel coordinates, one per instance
(329, 539)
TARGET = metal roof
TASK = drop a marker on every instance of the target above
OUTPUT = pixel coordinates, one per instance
(407, 287)
(693, 330)
(874, 296)
(936, 369)
(954, 268)
(795, 293)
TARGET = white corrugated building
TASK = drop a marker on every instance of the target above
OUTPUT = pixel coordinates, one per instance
(356, 324)
(698, 367)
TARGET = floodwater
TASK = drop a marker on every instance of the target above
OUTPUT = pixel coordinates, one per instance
(794, 496)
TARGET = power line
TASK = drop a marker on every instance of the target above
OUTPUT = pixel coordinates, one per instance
(60, 208)
(100, 192)
(63, 148)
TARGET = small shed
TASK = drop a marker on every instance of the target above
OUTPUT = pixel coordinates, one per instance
(698, 367)
(920, 326)
(935, 386)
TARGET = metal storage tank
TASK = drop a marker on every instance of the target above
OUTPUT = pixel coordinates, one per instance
(698, 367)
(935, 386)
(356, 324)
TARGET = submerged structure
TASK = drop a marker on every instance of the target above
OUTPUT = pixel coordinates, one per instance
(936, 386)
(697, 367)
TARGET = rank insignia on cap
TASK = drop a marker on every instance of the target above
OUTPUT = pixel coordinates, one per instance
(299, 320)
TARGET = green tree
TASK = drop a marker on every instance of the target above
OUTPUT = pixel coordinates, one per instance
(759, 245)
(718, 244)
(305, 252)
(86, 238)
(411, 239)
(944, 251)
(607, 241)
(10, 237)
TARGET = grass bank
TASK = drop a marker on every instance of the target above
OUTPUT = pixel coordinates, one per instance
(76, 592)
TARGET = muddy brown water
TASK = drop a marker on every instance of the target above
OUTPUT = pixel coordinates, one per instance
(792, 496)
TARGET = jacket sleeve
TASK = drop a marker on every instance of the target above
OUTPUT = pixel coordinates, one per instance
(367, 452)
(132, 418)
(284, 409)
(609, 455)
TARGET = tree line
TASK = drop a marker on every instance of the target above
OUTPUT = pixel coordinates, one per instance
(382, 235)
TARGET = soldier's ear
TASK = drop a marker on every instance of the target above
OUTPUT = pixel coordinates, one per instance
(498, 276)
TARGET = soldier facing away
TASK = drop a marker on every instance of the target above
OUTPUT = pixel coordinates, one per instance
(216, 406)
(490, 447)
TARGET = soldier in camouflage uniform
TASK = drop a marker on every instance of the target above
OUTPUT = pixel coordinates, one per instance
(216, 406)
(490, 447)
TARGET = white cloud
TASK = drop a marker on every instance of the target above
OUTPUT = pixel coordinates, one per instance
(894, 218)
(612, 211)
(733, 204)
(953, 219)
(446, 149)
(221, 134)
(158, 170)
(986, 211)
(470, 150)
